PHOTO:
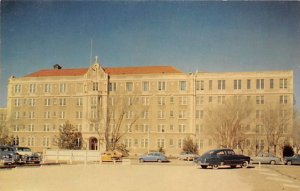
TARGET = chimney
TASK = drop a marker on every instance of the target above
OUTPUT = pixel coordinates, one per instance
(57, 67)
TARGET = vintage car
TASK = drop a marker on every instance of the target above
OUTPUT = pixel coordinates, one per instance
(187, 156)
(222, 157)
(109, 156)
(7, 155)
(265, 158)
(26, 155)
(294, 160)
(153, 157)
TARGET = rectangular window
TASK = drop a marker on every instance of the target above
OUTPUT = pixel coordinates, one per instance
(283, 83)
(62, 115)
(95, 86)
(180, 143)
(171, 99)
(210, 98)
(221, 84)
(129, 86)
(161, 86)
(46, 142)
(32, 88)
(79, 115)
(200, 85)
(271, 83)
(47, 102)
(283, 99)
(182, 115)
(145, 86)
(182, 86)
(30, 141)
(237, 84)
(146, 101)
(161, 100)
(18, 88)
(161, 128)
(112, 87)
(260, 100)
(31, 115)
(79, 102)
(248, 84)
(47, 88)
(260, 84)
(221, 99)
(183, 100)
(62, 88)
(199, 100)
(199, 114)
(171, 142)
(62, 101)
(210, 84)
(181, 128)
(47, 115)
(160, 143)
(161, 114)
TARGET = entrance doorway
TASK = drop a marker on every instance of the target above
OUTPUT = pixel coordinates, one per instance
(93, 143)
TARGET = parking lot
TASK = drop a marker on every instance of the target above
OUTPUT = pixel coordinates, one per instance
(176, 175)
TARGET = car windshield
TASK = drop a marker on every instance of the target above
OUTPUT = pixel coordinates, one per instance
(24, 149)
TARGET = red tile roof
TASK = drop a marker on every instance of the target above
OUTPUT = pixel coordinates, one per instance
(110, 71)
(60, 72)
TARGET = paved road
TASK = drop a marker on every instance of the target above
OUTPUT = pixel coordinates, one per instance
(147, 177)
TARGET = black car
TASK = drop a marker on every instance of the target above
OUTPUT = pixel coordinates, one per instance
(222, 157)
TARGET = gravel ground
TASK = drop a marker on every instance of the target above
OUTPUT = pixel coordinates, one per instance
(108, 177)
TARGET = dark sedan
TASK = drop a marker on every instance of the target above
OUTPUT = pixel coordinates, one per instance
(294, 160)
(222, 157)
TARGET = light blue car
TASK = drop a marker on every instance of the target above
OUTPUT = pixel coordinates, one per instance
(153, 157)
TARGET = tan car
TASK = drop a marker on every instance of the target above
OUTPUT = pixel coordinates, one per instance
(109, 156)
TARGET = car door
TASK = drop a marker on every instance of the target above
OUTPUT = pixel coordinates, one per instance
(297, 159)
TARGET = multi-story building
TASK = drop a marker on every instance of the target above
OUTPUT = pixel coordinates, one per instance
(162, 105)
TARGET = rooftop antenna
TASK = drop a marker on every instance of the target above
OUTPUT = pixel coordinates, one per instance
(91, 56)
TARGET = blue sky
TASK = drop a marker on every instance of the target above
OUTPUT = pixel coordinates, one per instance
(205, 36)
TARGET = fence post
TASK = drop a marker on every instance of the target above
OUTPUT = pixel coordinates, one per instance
(44, 156)
(71, 157)
(57, 155)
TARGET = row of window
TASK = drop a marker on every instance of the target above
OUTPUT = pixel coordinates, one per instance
(161, 85)
(237, 84)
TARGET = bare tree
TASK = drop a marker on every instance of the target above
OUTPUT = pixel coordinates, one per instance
(226, 122)
(5, 139)
(276, 120)
(296, 132)
(189, 146)
(122, 113)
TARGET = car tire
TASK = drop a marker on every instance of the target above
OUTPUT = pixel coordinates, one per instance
(141, 160)
(215, 166)
(245, 164)
(204, 166)
(272, 162)
(289, 162)
(159, 160)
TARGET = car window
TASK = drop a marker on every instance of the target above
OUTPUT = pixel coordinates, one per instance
(230, 152)
(220, 153)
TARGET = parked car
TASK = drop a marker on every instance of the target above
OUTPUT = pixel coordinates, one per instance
(7, 155)
(221, 157)
(187, 156)
(265, 158)
(292, 160)
(153, 157)
(26, 155)
(109, 156)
